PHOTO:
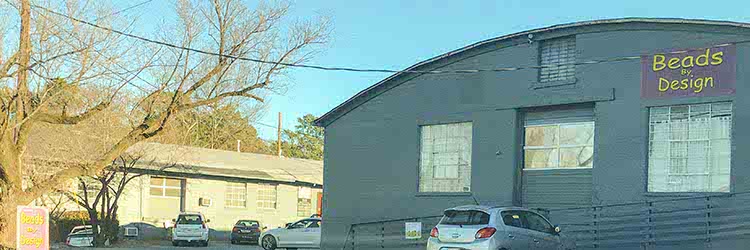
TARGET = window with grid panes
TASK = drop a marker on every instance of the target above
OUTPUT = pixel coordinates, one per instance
(559, 145)
(266, 196)
(236, 194)
(304, 202)
(90, 191)
(690, 148)
(445, 157)
(165, 187)
(557, 57)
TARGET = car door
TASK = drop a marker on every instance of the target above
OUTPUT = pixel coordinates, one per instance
(312, 234)
(294, 235)
(516, 231)
(542, 232)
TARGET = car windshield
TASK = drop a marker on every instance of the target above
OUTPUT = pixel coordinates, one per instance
(469, 217)
(82, 232)
(190, 219)
(79, 229)
(248, 223)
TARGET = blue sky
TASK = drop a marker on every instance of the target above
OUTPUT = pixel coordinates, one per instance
(394, 34)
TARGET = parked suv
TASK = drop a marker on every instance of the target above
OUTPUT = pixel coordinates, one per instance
(492, 228)
(190, 228)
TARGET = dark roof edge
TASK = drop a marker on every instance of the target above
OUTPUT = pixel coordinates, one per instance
(198, 175)
(332, 115)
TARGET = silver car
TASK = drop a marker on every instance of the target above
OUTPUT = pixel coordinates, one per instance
(492, 228)
(301, 234)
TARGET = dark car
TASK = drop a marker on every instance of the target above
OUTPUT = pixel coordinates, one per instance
(246, 231)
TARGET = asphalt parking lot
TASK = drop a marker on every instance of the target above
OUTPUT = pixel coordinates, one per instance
(168, 245)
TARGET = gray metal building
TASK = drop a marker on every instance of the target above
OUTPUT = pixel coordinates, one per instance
(573, 115)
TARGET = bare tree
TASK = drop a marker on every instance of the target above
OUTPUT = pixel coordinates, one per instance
(100, 194)
(57, 57)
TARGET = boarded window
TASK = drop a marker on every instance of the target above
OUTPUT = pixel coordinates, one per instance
(304, 202)
(690, 148)
(445, 158)
(557, 58)
(236, 194)
(266, 196)
(165, 187)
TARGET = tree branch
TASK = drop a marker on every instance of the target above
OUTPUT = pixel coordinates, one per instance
(65, 119)
(242, 92)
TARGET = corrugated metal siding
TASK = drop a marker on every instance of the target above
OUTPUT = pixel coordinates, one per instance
(557, 188)
(559, 114)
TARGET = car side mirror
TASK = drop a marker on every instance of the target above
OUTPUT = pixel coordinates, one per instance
(209, 220)
(173, 220)
(287, 225)
(264, 228)
(557, 230)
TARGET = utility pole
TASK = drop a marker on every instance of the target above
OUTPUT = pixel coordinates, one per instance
(278, 142)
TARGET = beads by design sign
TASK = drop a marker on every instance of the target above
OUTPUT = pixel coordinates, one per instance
(689, 73)
(32, 228)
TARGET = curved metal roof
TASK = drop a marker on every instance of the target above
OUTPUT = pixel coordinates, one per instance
(333, 114)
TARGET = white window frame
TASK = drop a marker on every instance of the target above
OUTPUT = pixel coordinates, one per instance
(164, 187)
(685, 173)
(559, 145)
(264, 199)
(460, 172)
(236, 192)
(304, 201)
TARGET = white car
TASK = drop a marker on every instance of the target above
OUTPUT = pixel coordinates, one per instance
(190, 228)
(301, 234)
(492, 228)
(81, 236)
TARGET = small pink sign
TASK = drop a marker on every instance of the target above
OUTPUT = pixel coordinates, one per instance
(32, 228)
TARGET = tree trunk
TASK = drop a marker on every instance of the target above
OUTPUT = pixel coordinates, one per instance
(7, 226)
(95, 225)
(10, 198)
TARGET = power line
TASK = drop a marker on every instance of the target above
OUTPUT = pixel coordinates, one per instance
(263, 124)
(326, 68)
(123, 10)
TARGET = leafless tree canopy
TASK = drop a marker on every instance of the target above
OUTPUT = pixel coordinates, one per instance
(55, 71)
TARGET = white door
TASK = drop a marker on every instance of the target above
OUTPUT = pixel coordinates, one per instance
(312, 234)
(294, 235)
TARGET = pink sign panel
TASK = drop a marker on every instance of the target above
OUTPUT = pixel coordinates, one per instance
(32, 228)
(689, 73)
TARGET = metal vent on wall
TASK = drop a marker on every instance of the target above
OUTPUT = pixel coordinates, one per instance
(555, 52)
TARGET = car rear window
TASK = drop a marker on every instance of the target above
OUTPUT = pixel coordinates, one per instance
(189, 219)
(469, 217)
(248, 223)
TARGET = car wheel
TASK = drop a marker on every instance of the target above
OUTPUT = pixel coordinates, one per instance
(233, 242)
(175, 243)
(268, 243)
